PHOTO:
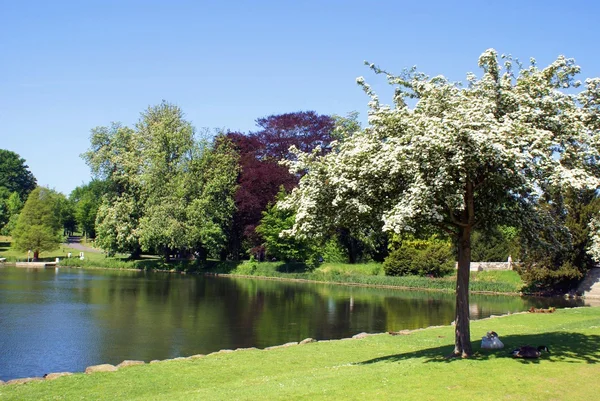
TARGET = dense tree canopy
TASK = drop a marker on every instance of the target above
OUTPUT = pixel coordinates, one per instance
(165, 190)
(86, 200)
(16, 182)
(261, 175)
(457, 158)
(39, 226)
(115, 158)
(15, 175)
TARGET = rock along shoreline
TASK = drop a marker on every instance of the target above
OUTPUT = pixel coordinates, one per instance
(128, 363)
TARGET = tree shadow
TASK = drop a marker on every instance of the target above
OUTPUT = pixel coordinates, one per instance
(4, 246)
(293, 267)
(219, 267)
(564, 346)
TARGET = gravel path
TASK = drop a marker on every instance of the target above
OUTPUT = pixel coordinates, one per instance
(75, 243)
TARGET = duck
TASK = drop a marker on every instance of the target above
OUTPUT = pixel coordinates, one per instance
(529, 352)
(491, 341)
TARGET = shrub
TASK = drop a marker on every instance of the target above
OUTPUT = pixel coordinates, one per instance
(400, 261)
(436, 260)
(431, 257)
(545, 278)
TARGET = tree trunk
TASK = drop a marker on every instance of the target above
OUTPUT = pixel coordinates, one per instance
(462, 332)
(202, 254)
(36, 255)
(135, 253)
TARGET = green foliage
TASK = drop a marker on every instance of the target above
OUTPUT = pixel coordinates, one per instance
(166, 192)
(272, 228)
(544, 277)
(67, 214)
(115, 158)
(10, 207)
(333, 252)
(495, 245)
(432, 257)
(15, 175)
(555, 261)
(369, 274)
(39, 227)
(87, 199)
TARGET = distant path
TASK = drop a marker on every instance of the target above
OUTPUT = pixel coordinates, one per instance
(75, 243)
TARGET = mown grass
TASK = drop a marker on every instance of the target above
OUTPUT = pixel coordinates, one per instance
(12, 255)
(408, 367)
(370, 274)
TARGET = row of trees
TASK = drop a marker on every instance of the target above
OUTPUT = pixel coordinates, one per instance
(167, 190)
(35, 217)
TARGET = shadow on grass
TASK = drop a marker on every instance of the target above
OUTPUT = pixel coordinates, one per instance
(4, 246)
(292, 267)
(219, 267)
(569, 347)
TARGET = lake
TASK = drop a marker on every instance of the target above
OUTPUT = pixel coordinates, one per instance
(54, 320)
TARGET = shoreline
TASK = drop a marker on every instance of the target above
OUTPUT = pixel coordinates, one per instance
(105, 367)
(300, 280)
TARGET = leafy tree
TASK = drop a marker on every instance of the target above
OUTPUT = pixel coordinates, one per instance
(166, 142)
(114, 157)
(551, 269)
(9, 211)
(276, 220)
(165, 191)
(261, 175)
(305, 130)
(15, 175)
(458, 158)
(212, 186)
(67, 214)
(39, 227)
(495, 244)
(87, 199)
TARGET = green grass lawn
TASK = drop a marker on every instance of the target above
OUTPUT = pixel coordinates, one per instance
(12, 255)
(379, 367)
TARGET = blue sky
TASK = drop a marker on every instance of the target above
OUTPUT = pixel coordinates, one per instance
(69, 66)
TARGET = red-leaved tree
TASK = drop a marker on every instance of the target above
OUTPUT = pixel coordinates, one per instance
(261, 175)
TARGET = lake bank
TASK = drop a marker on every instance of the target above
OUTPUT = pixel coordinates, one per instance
(373, 367)
(368, 274)
(68, 319)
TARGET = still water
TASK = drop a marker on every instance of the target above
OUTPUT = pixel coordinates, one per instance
(54, 320)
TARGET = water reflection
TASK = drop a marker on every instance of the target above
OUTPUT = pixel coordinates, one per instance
(68, 319)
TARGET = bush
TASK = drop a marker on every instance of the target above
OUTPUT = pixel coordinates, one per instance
(400, 262)
(436, 260)
(333, 252)
(547, 279)
(421, 257)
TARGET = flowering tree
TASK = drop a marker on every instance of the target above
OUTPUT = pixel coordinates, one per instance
(457, 158)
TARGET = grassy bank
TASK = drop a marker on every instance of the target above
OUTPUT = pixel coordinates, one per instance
(409, 366)
(370, 274)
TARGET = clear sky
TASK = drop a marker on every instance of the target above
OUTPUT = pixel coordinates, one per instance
(69, 66)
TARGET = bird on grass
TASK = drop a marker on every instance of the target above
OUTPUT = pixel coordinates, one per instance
(529, 352)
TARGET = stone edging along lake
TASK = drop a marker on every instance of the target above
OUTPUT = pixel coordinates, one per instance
(113, 368)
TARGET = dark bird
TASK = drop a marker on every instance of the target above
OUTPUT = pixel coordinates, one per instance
(529, 352)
